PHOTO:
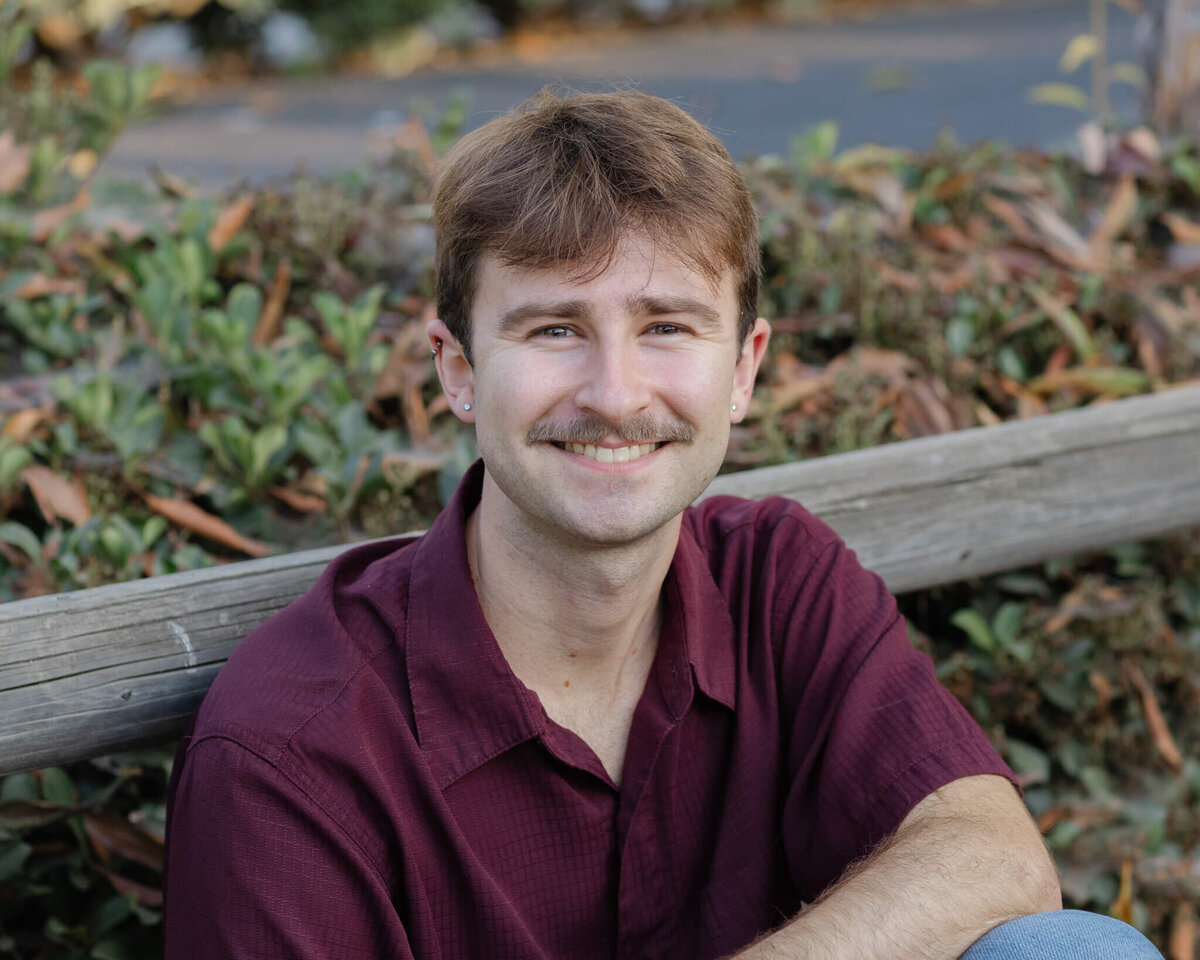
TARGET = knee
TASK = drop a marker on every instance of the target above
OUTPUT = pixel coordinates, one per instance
(1063, 935)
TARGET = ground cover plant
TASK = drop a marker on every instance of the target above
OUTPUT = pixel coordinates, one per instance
(187, 381)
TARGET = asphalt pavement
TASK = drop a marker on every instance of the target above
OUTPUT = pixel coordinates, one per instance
(898, 79)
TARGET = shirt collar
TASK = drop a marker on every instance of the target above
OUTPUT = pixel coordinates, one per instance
(468, 704)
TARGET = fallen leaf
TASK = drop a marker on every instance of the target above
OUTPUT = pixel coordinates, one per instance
(300, 501)
(1182, 229)
(900, 279)
(948, 284)
(1144, 142)
(1093, 381)
(229, 222)
(952, 187)
(922, 409)
(45, 222)
(1010, 216)
(14, 163)
(191, 517)
(1164, 743)
(146, 895)
(1067, 321)
(112, 834)
(945, 235)
(20, 426)
(1119, 213)
(172, 185)
(57, 497)
(1122, 907)
(1182, 945)
(1063, 241)
(267, 328)
(82, 163)
(416, 416)
(40, 285)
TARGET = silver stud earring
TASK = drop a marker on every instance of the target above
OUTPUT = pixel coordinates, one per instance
(466, 406)
(435, 351)
(734, 407)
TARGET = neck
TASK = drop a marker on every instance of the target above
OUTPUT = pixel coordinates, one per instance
(568, 617)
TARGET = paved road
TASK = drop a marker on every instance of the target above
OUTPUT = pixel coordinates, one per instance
(898, 80)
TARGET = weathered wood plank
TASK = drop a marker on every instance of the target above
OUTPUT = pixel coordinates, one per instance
(101, 670)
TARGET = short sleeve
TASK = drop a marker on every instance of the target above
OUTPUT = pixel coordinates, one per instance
(872, 733)
(256, 869)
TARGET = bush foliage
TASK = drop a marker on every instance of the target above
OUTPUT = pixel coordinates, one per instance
(187, 381)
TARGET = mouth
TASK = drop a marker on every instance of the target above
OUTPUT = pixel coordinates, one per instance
(609, 454)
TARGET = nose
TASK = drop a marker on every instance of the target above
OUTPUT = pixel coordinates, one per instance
(615, 384)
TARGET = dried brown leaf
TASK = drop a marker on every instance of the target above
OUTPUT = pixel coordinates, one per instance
(20, 426)
(889, 276)
(40, 285)
(269, 320)
(45, 222)
(947, 236)
(57, 497)
(112, 834)
(1164, 743)
(191, 517)
(229, 222)
(1122, 907)
(14, 163)
(1010, 216)
(300, 501)
(1182, 229)
(1118, 215)
(146, 895)
(1182, 945)
(1062, 240)
(172, 185)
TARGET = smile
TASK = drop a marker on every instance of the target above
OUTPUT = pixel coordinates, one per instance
(610, 454)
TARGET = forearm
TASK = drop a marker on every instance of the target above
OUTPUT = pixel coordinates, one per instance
(936, 887)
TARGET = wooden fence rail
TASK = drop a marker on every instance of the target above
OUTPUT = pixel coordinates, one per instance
(108, 669)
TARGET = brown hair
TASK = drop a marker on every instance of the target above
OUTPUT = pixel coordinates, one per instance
(560, 180)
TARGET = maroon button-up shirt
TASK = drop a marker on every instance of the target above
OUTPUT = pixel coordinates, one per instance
(368, 778)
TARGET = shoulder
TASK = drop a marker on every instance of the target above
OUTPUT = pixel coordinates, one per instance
(760, 534)
(333, 640)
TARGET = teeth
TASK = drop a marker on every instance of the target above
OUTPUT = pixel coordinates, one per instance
(609, 454)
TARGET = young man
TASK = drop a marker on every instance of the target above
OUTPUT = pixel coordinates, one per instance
(580, 718)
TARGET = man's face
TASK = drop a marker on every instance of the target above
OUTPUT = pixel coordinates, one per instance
(602, 408)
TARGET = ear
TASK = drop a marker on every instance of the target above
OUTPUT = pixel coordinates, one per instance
(753, 351)
(454, 370)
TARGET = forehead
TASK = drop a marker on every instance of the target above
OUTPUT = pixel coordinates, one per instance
(639, 270)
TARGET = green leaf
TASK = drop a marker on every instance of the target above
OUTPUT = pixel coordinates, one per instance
(1060, 95)
(12, 461)
(57, 786)
(21, 536)
(266, 443)
(1011, 365)
(960, 334)
(12, 861)
(1027, 759)
(972, 623)
(19, 786)
(1128, 73)
(109, 914)
(1079, 51)
(1007, 623)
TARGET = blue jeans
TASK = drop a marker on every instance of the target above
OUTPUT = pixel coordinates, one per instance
(1063, 935)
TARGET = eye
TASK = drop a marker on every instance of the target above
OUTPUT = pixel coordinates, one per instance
(665, 329)
(555, 333)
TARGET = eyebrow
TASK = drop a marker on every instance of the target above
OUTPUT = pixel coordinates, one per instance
(653, 305)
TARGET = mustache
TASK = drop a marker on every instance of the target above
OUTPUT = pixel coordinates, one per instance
(586, 428)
